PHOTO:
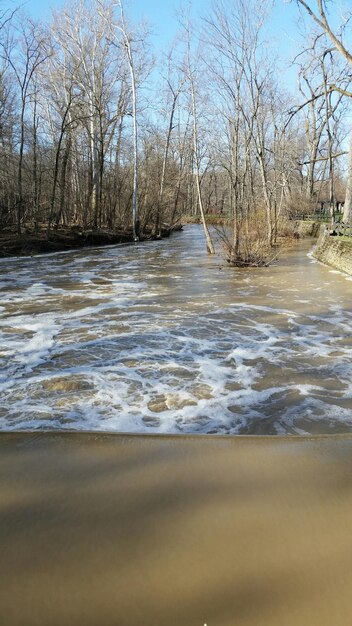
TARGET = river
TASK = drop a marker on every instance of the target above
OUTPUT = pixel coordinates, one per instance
(161, 338)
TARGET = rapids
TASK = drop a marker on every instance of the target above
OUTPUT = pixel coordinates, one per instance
(161, 338)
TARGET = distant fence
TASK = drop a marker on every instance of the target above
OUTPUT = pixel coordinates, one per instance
(342, 229)
(313, 217)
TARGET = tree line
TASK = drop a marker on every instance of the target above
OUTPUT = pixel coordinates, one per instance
(95, 134)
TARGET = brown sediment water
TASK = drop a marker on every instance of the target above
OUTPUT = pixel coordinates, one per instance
(114, 530)
(165, 339)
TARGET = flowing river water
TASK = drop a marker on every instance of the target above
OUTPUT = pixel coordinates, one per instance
(161, 338)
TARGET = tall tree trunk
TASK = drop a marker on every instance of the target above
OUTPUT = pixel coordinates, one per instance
(56, 170)
(347, 210)
(210, 245)
(127, 40)
(63, 182)
(266, 197)
(20, 171)
(94, 201)
(163, 172)
(35, 167)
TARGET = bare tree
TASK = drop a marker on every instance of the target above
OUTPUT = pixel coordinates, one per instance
(191, 75)
(320, 17)
(127, 38)
(175, 84)
(24, 54)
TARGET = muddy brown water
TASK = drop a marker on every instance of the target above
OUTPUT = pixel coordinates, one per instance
(115, 530)
(121, 530)
(161, 338)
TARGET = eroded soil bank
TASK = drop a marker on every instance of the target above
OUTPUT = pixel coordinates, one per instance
(131, 531)
(64, 239)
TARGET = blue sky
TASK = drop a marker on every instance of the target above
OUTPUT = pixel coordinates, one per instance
(282, 29)
(161, 15)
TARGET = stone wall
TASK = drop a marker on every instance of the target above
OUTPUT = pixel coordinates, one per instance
(298, 228)
(305, 228)
(334, 251)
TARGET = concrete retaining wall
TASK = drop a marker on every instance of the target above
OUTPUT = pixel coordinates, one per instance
(304, 228)
(299, 228)
(334, 251)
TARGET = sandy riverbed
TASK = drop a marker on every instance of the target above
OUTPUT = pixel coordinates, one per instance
(101, 530)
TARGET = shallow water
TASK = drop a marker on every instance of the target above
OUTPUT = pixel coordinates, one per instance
(161, 338)
(116, 530)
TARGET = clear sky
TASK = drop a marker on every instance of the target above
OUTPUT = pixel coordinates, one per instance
(160, 14)
(283, 26)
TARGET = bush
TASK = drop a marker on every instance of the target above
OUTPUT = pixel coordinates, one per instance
(253, 249)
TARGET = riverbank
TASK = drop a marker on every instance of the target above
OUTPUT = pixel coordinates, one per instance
(64, 239)
(287, 229)
(334, 251)
(108, 529)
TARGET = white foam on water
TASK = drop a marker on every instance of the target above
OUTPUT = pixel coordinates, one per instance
(102, 340)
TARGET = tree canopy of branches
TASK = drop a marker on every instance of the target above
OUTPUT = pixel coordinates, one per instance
(93, 137)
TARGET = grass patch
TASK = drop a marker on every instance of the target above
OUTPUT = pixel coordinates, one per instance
(345, 239)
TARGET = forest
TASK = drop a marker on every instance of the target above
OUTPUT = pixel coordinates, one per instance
(99, 134)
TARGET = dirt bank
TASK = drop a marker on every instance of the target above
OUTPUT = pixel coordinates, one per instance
(29, 243)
